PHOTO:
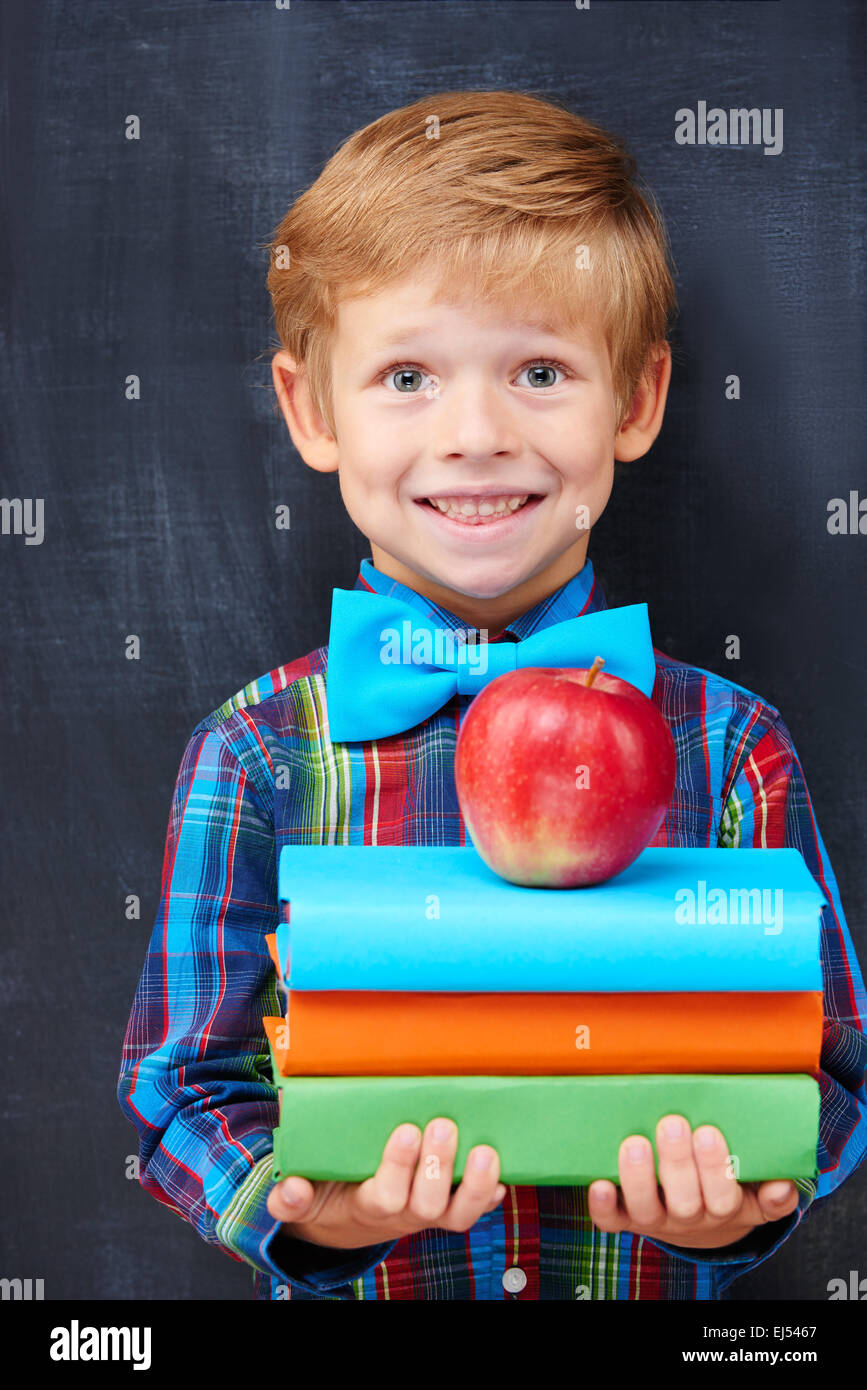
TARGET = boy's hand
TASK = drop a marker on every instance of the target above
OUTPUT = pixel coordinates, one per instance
(410, 1190)
(703, 1208)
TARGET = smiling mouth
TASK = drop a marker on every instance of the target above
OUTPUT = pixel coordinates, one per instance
(480, 511)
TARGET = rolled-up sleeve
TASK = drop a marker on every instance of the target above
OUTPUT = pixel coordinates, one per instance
(195, 1076)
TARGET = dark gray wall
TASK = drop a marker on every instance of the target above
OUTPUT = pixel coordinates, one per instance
(145, 257)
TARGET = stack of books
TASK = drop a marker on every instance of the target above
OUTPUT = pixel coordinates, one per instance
(548, 1023)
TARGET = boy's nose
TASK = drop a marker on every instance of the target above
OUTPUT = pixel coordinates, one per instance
(477, 424)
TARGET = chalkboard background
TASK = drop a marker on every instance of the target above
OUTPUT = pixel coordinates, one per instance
(144, 257)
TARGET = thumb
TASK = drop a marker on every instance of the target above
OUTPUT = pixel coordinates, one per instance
(777, 1199)
(291, 1199)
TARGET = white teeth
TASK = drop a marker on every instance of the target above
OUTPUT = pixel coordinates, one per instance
(460, 507)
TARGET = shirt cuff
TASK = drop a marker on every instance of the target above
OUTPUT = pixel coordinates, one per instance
(754, 1247)
(248, 1230)
(323, 1268)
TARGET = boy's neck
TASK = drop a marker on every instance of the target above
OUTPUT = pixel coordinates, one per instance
(494, 614)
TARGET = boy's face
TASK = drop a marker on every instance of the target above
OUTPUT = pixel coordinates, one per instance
(452, 401)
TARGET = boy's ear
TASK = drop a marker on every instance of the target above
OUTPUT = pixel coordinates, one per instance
(310, 434)
(644, 421)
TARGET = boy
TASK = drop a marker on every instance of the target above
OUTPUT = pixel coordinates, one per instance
(473, 300)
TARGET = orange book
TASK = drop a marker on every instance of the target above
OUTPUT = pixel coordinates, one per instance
(368, 1033)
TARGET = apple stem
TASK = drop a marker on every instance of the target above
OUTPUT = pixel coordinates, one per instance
(594, 671)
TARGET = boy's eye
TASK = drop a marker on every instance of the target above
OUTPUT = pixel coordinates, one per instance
(405, 376)
(401, 377)
(540, 372)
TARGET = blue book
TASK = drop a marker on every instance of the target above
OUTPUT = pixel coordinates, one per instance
(436, 918)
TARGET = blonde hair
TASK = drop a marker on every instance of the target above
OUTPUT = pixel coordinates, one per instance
(496, 190)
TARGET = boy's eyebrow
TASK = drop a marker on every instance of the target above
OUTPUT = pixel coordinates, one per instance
(407, 335)
(542, 326)
(400, 340)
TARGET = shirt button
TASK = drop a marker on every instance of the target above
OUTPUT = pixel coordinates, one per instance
(514, 1280)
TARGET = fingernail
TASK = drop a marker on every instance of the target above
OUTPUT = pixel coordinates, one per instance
(673, 1128)
(706, 1139)
(636, 1150)
(407, 1135)
(291, 1196)
(781, 1192)
(482, 1160)
(442, 1130)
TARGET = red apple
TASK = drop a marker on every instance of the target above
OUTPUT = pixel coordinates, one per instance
(563, 775)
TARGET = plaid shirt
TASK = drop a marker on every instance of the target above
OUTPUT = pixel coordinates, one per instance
(262, 772)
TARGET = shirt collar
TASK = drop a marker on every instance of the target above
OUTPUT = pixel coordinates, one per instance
(580, 594)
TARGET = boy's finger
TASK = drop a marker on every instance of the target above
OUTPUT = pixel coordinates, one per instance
(678, 1174)
(777, 1199)
(290, 1199)
(431, 1189)
(638, 1184)
(476, 1191)
(723, 1195)
(605, 1211)
(387, 1192)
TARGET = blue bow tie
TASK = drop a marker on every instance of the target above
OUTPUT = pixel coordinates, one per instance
(390, 667)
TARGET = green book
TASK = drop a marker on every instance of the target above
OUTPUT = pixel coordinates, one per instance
(547, 1130)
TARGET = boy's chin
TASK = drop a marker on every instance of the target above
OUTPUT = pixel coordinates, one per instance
(481, 587)
(479, 582)
(483, 591)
